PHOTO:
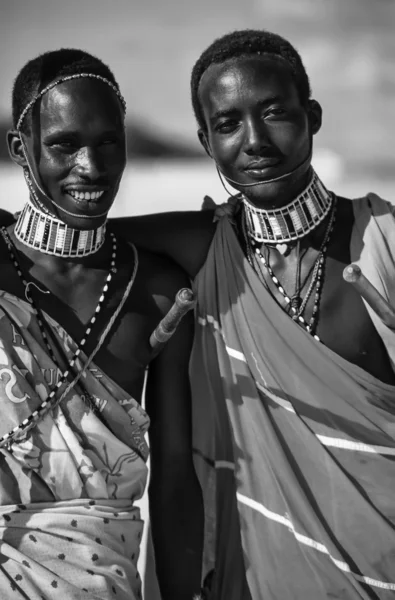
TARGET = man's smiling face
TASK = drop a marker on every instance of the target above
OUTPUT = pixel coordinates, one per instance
(257, 127)
(79, 150)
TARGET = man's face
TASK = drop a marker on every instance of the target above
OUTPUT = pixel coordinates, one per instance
(79, 150)
(257, 128)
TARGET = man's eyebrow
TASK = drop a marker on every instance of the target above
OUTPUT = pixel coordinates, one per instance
(223, 113)
(269, 101)
(55, 133)
(231, 111)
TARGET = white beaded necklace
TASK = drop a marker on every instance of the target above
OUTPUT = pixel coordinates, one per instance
(46, 233)
(281, 226)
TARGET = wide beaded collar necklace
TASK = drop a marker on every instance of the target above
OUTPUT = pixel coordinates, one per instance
(45, 233)
(281, 227)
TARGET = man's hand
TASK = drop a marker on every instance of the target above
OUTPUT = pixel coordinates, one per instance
(184, 302)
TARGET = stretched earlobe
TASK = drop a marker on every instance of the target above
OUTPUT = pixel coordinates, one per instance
(315, 116)
(15, 148)
(202, 135)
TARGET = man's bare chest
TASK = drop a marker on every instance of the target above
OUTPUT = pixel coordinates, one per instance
(342, 321)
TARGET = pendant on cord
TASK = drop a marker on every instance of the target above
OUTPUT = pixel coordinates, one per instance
(284, 249)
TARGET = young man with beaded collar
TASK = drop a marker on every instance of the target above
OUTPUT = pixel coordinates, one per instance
(77, 307)
(292, 373)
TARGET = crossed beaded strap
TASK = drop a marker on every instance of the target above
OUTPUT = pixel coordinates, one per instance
(20, 430)
(37, 312)
(53, 84)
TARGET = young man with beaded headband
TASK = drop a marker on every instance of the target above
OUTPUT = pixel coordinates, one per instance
(77, 307)
(292, 372)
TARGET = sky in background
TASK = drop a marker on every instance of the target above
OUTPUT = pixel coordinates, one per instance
(348, 48)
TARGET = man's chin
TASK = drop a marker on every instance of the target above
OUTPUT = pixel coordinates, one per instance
(247, 183)
(81, 214)
(270, 195)
(281, 191)
(85, 222)
(260, 192)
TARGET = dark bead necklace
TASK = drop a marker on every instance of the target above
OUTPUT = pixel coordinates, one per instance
(295, 303)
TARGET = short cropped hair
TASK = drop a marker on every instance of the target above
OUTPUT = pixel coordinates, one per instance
(247, 42)
(46, 68)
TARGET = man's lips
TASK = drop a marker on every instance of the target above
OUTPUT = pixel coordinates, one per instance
(261, 169)
(264, 163)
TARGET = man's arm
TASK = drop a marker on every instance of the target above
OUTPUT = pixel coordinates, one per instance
(175, 497)
(185, 237)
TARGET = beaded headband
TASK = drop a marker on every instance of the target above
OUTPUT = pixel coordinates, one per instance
(291, 222)
(53, 84)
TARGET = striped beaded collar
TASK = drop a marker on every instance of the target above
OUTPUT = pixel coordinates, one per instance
(45, 233)
(280, 226)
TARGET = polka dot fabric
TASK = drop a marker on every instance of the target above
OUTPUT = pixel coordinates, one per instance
(68, 524)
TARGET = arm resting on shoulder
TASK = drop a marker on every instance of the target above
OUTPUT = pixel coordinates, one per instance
(175, 497)
(185, 237)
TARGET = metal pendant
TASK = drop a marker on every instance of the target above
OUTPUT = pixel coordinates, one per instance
(296, 302)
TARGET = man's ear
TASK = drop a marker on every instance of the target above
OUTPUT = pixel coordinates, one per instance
(15, 148)
(315, 116)
(202, 135)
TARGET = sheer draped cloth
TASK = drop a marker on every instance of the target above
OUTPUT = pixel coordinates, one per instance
(294, 446)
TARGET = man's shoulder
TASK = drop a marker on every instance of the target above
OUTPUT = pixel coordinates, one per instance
(159, 266)
(373, 206)
(163, 278)
(157, 275)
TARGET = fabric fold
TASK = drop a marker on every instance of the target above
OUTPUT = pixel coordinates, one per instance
(68, 524)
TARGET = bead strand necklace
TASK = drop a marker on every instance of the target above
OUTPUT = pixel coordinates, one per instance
(36, 311)
(19, 432)
(316, 281)
(43, 332)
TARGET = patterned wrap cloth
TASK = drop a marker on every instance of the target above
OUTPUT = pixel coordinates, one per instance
(68, 524)
(294, 445)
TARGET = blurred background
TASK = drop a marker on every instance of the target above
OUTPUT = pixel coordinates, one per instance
(348, 47)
